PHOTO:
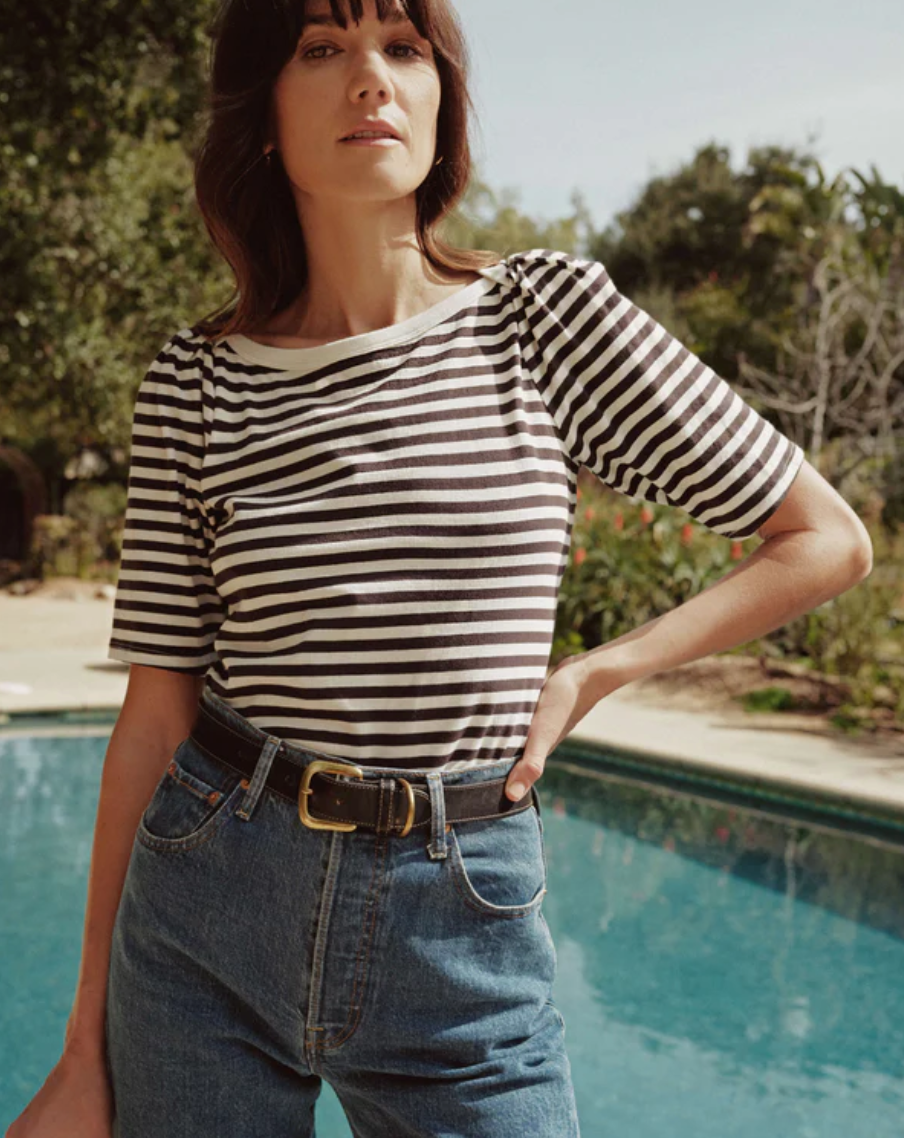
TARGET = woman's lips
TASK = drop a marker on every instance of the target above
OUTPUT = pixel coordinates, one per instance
(370, 141)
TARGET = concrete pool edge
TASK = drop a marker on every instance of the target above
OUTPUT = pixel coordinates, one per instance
(787, 799)
(858, 772)
(58, 717)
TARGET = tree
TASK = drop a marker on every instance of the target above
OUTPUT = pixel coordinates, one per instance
(840, 374)
(101, 252)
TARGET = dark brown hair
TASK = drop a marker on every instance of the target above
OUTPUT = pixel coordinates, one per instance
(249, 209)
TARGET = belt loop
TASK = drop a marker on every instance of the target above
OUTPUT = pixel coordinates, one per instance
(385, 804)
(437, 847)
(261, 770)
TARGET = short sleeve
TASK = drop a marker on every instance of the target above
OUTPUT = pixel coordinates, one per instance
(636, 407)
(167, 610)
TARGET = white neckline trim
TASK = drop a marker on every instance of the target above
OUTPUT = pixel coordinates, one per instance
(303, 359)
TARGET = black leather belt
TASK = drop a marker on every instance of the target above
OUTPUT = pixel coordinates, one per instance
(326, 802)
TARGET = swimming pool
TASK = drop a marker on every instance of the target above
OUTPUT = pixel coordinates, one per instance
(722, 971)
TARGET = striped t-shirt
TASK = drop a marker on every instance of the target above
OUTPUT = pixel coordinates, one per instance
(361, 544)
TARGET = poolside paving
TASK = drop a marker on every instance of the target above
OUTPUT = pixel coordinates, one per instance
(53, 657)
(750, 748)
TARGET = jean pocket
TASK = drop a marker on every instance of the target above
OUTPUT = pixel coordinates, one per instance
(195, 796)
(499, 865)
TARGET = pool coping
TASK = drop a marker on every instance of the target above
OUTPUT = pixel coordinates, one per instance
(730, 774)
(786, 801)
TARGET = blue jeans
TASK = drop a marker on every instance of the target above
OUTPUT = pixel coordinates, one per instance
(253, 957)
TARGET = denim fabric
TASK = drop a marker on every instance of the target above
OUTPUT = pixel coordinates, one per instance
(253, 957)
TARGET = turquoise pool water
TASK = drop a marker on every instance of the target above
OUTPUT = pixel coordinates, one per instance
(721, 973)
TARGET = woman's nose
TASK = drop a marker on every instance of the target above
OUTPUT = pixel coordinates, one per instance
(371, 75)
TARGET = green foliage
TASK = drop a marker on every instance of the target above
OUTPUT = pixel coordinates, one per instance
(99, 510)
(890, 479)
(77, 73)
(489, 220)
(60, 548)
(726, 259)
(769, 699)
(630, 563)
(124, 270)
(103, 252)
(86, 540)
(858, 636)
(849, 637)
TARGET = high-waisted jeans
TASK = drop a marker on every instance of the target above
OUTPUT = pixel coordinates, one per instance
(253, 957)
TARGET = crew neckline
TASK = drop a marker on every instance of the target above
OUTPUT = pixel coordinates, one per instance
(294, 359)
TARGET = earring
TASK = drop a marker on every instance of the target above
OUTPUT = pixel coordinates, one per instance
(267, 158)
(437, 162)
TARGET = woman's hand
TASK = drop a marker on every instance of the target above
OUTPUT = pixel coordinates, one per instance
(74, 1100)
(565, 699)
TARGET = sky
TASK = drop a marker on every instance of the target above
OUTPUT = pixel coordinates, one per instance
(601, 97)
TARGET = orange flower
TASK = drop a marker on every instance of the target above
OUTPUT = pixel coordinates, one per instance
(580, 555)
(619, 522)
(737, 551)
(646, 515)
(687, 533)
(577, 493)
(588, 514)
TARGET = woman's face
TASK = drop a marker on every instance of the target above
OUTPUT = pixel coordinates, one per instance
(337, 78)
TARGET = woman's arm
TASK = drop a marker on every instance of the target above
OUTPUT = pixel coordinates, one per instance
(157, 714)
(814, 548)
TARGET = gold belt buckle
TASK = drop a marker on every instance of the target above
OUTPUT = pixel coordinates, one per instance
(304, 791)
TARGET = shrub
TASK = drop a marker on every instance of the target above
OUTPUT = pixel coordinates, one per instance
(630, 563)
(59, 547)
(100, 509)
(859, 635)
(86, 540)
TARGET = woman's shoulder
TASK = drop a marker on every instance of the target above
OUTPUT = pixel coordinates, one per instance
(181, 349)
(540, 266)
(180, 373)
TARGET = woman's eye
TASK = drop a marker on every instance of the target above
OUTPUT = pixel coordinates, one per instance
(309, 54)
(407, 47)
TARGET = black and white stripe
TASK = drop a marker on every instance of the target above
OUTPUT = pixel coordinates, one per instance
(364, 542)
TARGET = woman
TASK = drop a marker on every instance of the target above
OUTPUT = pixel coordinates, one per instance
(319, 850)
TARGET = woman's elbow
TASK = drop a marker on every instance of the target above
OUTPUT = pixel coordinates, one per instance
(861, 555)
(850, 547)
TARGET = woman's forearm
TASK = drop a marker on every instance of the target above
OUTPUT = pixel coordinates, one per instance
(789, 574)
(157, 714)
(127, 783)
